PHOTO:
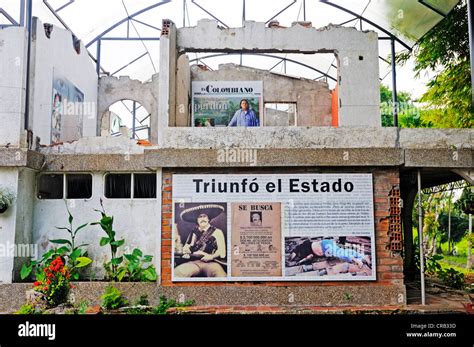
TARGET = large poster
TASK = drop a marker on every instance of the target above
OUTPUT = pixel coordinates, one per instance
(301, 227)
(67, 110)
(222, 103)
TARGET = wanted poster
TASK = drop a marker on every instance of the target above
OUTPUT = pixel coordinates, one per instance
(256, 239)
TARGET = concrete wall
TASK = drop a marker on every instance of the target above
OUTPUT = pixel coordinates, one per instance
(8, 221)
(357, 53)
(312, 98)
(129, 223)
(13, 47)
(53, 56)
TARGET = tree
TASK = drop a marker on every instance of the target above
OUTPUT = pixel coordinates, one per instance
(458, 227)
(409, 115)
(465, 203)
(444, 50)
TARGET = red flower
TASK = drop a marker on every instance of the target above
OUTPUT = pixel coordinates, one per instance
(37, 284)
(45, 288)
(48, 282)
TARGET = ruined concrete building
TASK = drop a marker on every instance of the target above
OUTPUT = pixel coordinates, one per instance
(304, 200)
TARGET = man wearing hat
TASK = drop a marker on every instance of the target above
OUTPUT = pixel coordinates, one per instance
(205, 246)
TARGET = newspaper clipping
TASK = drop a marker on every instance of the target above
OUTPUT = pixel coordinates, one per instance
(218, 103)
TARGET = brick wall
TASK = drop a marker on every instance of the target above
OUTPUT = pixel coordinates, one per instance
(389, 265)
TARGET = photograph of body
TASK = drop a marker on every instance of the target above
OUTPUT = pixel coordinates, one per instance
(200, 243)
(328, 256)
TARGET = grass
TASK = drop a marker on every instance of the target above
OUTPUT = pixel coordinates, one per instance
(457, 262)
(461, 247)
(463, 270)
(459, 259)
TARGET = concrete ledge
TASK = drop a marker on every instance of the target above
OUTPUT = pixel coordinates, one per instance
(279, 137)
(12, 296)
(253, 157)
(446, 158)
(17, 157)
(269, 147)
(340, 295)
(437, 138)
(94, 162)
(276, 157)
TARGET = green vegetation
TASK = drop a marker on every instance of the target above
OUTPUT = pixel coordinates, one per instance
(82, 307)
(165, 304)
(27, 309)
(137, 267)
(130, 266)
(444, 51)
(74, 255)
(113, 299)
(409, 115)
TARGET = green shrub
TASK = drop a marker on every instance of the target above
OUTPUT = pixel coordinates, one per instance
(432, 265)
(113, 299)
(165, 304)
(26, 309)
(452, 278)
(137, 268)
(143, 300)
(75, 256)
(107, 224)
(82, 307)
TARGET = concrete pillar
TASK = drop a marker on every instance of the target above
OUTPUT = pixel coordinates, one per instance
(167, 80)
(183, 92)
(359, 87)
(16, 222)
(24, 220)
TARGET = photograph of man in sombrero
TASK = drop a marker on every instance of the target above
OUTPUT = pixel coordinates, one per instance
(204, 253)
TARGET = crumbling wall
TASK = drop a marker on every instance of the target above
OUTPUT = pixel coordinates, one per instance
(356, 52)
(113, 89)
(60, 57)
(312, 98)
